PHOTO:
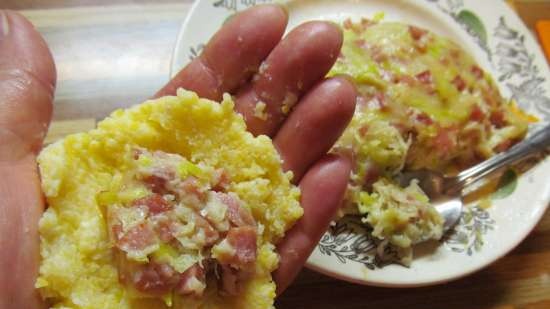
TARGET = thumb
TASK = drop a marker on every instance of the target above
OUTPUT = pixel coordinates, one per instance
(27, 82)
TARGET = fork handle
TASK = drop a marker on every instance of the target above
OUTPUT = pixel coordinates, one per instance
(536, 143)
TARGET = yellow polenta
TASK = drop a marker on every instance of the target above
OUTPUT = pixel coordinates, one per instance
(78, 268)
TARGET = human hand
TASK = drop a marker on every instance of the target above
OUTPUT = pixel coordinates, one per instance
(293, 69)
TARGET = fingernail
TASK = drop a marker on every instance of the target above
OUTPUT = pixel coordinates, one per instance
(4, 25)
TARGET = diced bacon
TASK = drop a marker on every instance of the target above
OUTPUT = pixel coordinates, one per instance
(476, 114)
(137, 238)
(477, 71)
(192, 193)
(504, 146)
(424, 118)
(192, 281)
(363, 130)
(156, 184)
(378, 54)
(424, 77)
(155, 278)
(154, 202)
(221, 180)
(243, 240)
(444, 142)
(417, 33)
(211, 235)
(459, 83)
(166, 229)
(497, 119)
(167, 173)
(237, 214)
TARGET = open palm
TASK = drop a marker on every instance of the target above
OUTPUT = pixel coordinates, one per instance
(247, 58)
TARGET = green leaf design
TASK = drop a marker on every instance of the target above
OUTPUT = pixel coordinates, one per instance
(506, 185)
(474, 24)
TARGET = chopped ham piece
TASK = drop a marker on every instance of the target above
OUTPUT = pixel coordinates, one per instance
(378, 53)
(192, 281)
(166, 229)
(182, 213)
(155, 278)
(363, 130)
(477, 71)
(237, 214)
(443, 141)
(191, 192)
(459, 83)
(156, 184)
(476, 114)
(211, 235)
(497, 119)
(243, 240)
(424, 118)
(424, 77)
(417, 33)
(504, 146)
(154, 202)
(137, 238)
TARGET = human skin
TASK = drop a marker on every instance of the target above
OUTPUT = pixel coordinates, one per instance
(296, 64)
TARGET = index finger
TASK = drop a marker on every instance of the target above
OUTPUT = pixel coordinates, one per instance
(233, 54)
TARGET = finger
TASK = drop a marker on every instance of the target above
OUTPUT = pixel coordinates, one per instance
(233, 54)
(27, 80)
(323, 189)
(303, 58)
(315, 125)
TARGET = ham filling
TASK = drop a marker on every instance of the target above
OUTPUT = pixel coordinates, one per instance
(186, 230)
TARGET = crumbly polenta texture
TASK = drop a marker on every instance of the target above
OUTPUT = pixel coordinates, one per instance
(77, 268)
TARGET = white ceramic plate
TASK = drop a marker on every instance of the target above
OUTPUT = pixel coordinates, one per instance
(499, 41)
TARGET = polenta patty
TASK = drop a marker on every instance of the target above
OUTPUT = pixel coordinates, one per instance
(171, 203)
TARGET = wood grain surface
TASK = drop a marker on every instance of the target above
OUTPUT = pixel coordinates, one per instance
(112, 54)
